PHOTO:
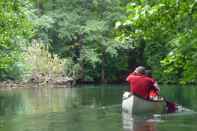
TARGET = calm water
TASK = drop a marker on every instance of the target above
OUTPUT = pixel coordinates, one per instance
(89, 108)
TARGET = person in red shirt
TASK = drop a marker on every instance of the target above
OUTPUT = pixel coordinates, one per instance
(153, 92)
(154, 95)
(140, 83)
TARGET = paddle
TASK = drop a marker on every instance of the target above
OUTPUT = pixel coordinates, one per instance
(171, 106)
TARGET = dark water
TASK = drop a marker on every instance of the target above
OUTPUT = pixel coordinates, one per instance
(89, 108)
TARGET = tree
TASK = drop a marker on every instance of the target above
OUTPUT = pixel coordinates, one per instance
(167, 29)
(15, 30)
(84, 31)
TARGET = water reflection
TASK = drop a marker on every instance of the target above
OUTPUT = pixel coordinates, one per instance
(60, 109)
(38, 101)
(9, 103)
(136, 123)
(91, 108)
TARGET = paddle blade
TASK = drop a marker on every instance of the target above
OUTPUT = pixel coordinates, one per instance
(171, 107)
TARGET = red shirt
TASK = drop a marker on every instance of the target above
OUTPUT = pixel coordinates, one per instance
(140, 84)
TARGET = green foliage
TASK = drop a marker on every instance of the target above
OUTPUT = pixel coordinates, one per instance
(182, 59)
(15, 30)
(81, 32)
(99, 39)
(37, 60)
(84, 31)
(167, 29)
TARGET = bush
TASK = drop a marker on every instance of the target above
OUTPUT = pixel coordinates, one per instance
(41, 65)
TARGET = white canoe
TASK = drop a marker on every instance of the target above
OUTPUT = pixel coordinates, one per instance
(133, 105)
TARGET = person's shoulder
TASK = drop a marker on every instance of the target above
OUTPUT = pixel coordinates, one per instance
(131, 75)
(150, 78)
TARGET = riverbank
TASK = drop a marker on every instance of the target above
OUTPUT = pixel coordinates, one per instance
(64, 83)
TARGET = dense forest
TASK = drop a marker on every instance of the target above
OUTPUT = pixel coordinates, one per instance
(98, 40)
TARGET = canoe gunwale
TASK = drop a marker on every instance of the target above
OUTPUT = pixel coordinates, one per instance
(135, 104)
(136, 95)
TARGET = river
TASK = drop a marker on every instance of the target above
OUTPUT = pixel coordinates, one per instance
(89, 108)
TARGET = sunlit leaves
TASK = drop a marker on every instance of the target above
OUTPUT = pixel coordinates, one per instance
(38, 60)
(15, 27)
(168, 28)
(182, 59)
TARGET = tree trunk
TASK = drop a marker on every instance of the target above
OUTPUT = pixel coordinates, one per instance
(132, 63)
(136, 56)
(82, 74)
(40, 7)
(78, 47)
(103, 74)
(54, 5)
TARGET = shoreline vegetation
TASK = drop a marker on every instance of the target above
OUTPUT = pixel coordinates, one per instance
(34, 83)
(39, 81)
(84, 41)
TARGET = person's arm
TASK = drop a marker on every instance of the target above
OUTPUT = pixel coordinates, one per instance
(156, 85)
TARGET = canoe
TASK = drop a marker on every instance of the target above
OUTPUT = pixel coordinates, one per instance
(133, 104)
